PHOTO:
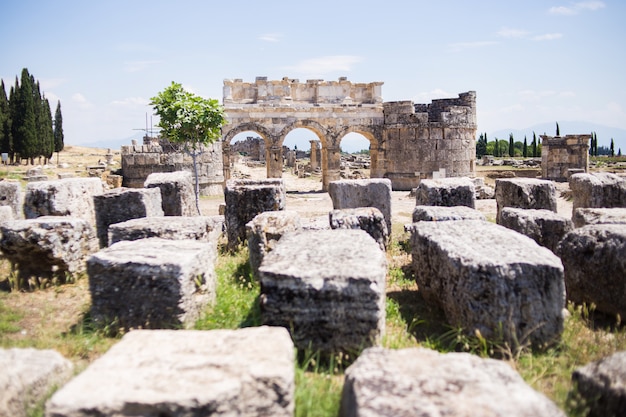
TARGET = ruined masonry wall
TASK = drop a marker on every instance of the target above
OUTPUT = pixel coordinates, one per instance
(560, 154)
(139, 161)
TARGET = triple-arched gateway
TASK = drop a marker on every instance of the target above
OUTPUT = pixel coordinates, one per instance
(407, 141)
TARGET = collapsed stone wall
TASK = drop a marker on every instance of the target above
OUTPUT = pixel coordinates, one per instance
(139, 161)
(562, 156)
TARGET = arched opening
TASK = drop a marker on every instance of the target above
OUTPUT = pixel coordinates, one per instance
(302, 153)
(246, 155)
(355, 156)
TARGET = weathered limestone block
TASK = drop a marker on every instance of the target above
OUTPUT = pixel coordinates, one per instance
(327, 287)
(6, 214)
(449, 192)
(265, 230)
(121, 204)
(177, 192)
(595, 266)
(246, 372)
(68, 197)
(245, 199)
(423, 382)
(443, 213)
(491, 279)
(151, 283)
(602, 385)
(204, 228)
(525, 193)
(368, 219)
(11, 195)
(483, 191)
(586, 216)
(543, 226)
(374, 192)
(27, 377)
(48, 246)
(598, 190)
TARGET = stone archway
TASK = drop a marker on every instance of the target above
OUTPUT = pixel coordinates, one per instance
(227, 138)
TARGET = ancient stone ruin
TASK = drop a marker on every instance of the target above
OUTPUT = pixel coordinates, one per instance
(562, 156)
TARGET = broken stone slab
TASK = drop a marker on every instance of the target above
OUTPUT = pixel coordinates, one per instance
(48, 246)
(327, 287)
(151, 283)
(543, 226)
(244, 372)
(525, 193)
(177, 192)
(121, 204)
(423, 382)
(67, 197)
(245, 199)
(483, 191)
(489, 278)
(11, 195)
(602, 385)
(265, 230)
(202, 228)
(601, 189)
(27, 377)
(448, 192)
(6, 214)
(368, 219)
(373, 192)
(586, 216)
(444, 213)
(595, 266)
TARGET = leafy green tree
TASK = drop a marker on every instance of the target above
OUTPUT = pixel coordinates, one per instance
(511, 145)
(190, 120)
(525, 148)
(58, 130)
(481, 146)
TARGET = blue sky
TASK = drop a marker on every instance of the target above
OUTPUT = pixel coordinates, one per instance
(530, 61)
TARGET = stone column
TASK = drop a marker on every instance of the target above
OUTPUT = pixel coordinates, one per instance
(274, 161)
(315, 162)
(226, 160)
(333, 166)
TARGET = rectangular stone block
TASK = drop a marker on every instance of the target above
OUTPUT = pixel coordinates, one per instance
(525, 193)
(151, 283)
(488, 278)
(444, 213)
(368, 219)
(374, 192)
(327, 287)
(121, 204)
(448, 192)
(11, 195)
(245, 372)
(586, 216)
(543, 226)
(598, 190)
(177, 192)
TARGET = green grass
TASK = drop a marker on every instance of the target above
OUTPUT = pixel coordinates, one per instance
(8, 320)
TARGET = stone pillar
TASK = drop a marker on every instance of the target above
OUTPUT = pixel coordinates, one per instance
(274, 161)
(315, 148)
(333, 166)
(226, 160)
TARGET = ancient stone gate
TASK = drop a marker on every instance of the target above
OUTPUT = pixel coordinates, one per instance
(407, 141)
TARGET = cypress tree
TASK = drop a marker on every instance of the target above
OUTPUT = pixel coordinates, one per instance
(612, 147)
(5, 121)
(47, 132)
(24, 125)
(58, 129)
(558, 131)
(511, 145)
(534, 145)
(525, 148)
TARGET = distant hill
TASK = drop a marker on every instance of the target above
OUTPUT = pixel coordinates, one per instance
(604, 133)
(113, 144)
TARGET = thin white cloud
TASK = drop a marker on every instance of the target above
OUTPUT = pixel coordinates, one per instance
(47, 83)
(270, 37)
(576, 8)
(512, 33)
(547, 37)
(81, 101)
(462, 46)
(534, 96)
(131, 102)
(137, 66)
(428, 96)
(325, 64)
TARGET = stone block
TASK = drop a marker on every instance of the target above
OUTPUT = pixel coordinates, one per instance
(448, 192)
(27, 377)
(595, 266)
(6, 214)
(48, 246)
(68, 197)
(543, 226)
(443, 213)
(602, 385)
(151, 283)
(177, 192)
(11, 195)
(121, 204)
(423, 382)
(525, 193)
(327, 287)
(368, 219)
(489, 278)
(245, 199)
(374, 192)
(265, 230)
(598, 190)
(586, 216)
(245, 372)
